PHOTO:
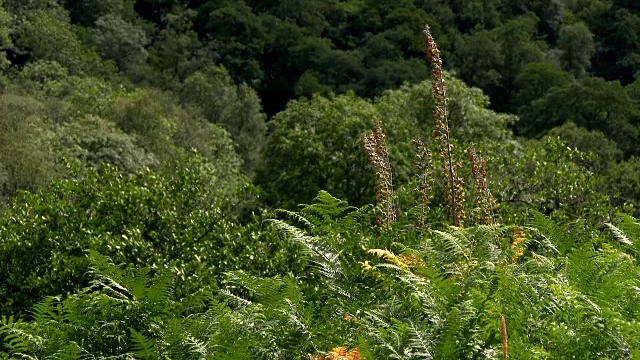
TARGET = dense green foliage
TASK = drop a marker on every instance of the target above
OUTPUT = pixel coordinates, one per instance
(432, 296)
(154, 156)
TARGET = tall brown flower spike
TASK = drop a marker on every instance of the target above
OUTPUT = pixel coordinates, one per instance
(483, 203)
(375, 147)
(441, 132)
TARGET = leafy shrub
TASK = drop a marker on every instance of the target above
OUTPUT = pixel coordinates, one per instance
(177, 218)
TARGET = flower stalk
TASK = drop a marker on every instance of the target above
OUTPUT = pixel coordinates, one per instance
(442, 133)
(375, 147)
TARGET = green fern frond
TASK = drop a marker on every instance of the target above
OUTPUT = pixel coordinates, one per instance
(326, 206)
(450, 341)
(358, 216)
(45, 311)
(629, 228)
(71, 351)
(292, 215)
(235, 298)
(196, 347)
(144, 347)
(619, 235)
(455, 243)
(622, 238)
(17, 335)
(419, 343)
(555, 236)
(325, 261)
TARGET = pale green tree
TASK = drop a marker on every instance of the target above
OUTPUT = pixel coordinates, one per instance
(27, 138)
(5, 41)
(578, 46)
(95, 141)
(236, 108)
(121, 41)
(150, 116)
(315, 145)
(48, 35)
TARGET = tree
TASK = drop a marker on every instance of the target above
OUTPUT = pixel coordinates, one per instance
(27, 138)
(617, 31)
(5, 41)
(535, 80)
(150, 116)
(120, 41)
(173, 218)
(96, 142)
(590, 143)
(236, 108)
(623, 185)
(410, 108)
(315, 144)
(479, 58)
(236, 36)
(176, 52)
(476, 14)
(546, 176)
(519, 49)
(86, 12)
(592, 103)
(47, 35)
(577, 45)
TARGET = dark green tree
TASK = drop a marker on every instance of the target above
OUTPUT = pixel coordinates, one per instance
(592, 103)
(176, 51)
(535, 80)
(236, 36)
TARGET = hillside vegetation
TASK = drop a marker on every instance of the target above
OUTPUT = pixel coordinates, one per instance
(323, 180)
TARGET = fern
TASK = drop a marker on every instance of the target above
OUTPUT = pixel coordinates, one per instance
(420, 345)
(143, 346)
(325, 261)
(555, 236)
(619, 235)
(17, 336)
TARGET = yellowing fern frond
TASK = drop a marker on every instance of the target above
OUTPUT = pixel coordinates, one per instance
(389, 256)
(404, 261)
(338, 353)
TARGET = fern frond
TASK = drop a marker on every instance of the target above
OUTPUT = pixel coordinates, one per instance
(144, 347)
(17, 337)
(72, 351)
(325, 261)
(619, 235)
(325, 207)
(292, 215)
(457, 244)
(450, 342)
(45, 311)
(236, 299)
(419, 343)
(555, 237)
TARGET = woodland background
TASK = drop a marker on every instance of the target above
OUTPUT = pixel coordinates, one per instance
(154, 155)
